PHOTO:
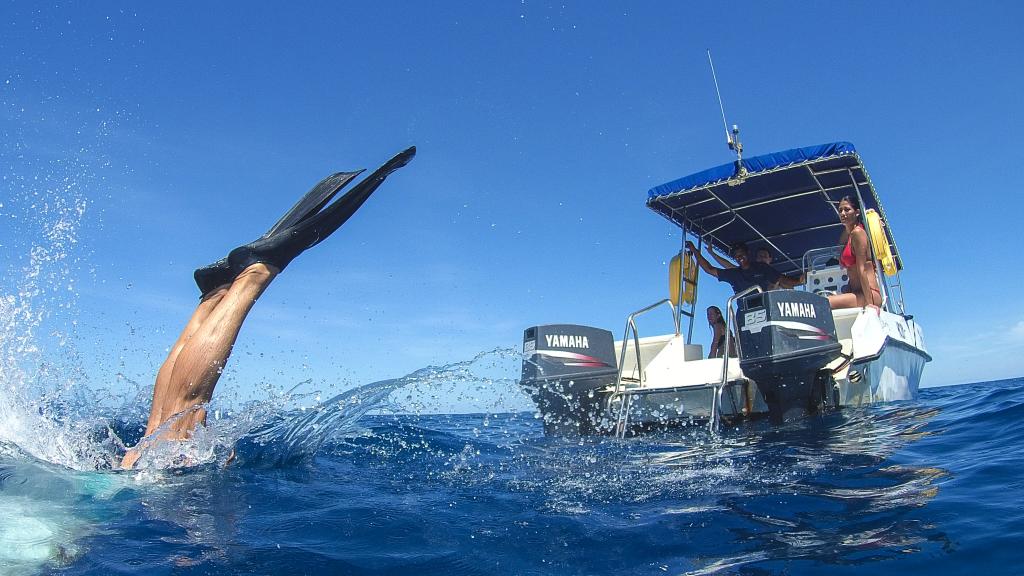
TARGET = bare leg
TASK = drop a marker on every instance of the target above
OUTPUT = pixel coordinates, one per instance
(198, 366)
(855, 300)
(847, 300)
(163, 377)
(187, 378)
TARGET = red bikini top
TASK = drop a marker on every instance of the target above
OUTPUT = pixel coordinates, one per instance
(847, 259)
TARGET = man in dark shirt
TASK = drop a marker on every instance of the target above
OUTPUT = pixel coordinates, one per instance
(764, 256)
(747, 274)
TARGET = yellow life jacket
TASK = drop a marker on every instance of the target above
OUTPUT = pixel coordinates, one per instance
(689, 287)
(880, 242)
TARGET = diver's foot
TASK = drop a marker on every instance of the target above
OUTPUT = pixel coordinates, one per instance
(259, 274)
(212, 276)
(281, 248)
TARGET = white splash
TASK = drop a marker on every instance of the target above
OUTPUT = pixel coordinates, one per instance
(40, 393)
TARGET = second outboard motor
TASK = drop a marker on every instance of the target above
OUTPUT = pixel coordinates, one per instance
(564, 365)
(787, 338)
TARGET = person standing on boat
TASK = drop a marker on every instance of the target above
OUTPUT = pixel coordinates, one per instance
(717, 324)
(744, 276)
(764, 256)
(856, 258)
(760, 255)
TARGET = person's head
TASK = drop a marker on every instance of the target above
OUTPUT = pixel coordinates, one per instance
(763, 255)
(849, 210)
(740, 254)
(715, 315)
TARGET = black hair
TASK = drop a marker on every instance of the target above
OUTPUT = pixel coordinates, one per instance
(852, 201)
(721, 317)
(738, 246)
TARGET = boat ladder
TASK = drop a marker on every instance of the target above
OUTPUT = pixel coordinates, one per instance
(621, 392)
(714, 422)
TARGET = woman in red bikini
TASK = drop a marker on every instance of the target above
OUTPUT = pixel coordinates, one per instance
(856, 258)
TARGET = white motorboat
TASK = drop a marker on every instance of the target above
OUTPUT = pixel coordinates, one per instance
(796, 355)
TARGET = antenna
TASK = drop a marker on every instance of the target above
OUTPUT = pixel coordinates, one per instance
(721, 106)
(732, 137)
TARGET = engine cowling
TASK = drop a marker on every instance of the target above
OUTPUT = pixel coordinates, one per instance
(564, 365)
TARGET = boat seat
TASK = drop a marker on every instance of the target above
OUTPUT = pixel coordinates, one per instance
(674, 366)
(828, 280)
(844, 319)
(650, 348)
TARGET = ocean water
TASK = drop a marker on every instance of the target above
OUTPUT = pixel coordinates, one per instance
(354, 485)
(931, 486)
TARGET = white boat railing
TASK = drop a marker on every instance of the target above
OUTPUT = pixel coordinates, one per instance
(622, 418)
(631, 329)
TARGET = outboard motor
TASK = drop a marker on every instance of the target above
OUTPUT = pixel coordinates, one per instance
(563, 367)
(787, 338)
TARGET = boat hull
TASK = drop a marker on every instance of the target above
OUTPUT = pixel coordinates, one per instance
(678, 387)
(641, 409)
(892, 375)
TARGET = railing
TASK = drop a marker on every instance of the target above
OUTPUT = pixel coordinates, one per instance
(622, 418)
(817, 258)
(631, 327)
(716, 400)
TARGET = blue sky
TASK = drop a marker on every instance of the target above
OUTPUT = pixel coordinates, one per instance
(186, 129)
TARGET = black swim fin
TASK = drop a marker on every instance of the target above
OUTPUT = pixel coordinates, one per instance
(219, 273)
(314, 200)
(280, 249)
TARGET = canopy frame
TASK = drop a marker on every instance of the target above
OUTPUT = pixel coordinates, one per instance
(724, 206)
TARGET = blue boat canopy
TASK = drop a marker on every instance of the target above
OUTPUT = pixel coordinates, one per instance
(785, 202)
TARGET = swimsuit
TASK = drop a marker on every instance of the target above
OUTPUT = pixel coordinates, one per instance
(847, 259)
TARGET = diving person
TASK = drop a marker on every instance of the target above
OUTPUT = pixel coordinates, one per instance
(230, 287)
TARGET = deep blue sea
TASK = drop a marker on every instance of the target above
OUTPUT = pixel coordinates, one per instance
(927, 487)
